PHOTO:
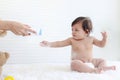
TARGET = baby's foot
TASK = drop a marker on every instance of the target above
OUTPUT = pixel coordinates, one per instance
(113, 67)
(109, 68)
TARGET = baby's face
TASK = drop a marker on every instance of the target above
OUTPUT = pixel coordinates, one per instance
(78, 32)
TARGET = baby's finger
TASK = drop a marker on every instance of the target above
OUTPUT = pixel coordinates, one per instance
(42, 44)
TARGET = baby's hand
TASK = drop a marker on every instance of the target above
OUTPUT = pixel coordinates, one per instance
(44, 44)
(104, 34)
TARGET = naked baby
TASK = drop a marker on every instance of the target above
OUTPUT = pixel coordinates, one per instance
(81, 47)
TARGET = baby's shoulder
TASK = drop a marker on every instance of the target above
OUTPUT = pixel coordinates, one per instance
(69, 38)
(90, 37)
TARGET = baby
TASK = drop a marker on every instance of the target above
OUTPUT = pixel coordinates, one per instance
(81, 47)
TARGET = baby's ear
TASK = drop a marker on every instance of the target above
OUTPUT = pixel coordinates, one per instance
(3, 33)
(7, 55)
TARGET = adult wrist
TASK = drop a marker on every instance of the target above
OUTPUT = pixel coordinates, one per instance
(3, 25)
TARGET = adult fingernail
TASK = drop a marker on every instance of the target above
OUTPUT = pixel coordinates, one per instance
(29, 34)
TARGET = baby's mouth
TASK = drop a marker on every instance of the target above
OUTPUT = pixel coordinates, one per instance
(73, 35)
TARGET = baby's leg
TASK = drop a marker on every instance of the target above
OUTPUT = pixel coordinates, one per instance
(105, 68)
(101, 64)
(78, 65)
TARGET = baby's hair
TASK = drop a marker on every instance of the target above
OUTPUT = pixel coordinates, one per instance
(86, 23)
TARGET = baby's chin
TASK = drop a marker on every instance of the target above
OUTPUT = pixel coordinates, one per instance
(78, 38)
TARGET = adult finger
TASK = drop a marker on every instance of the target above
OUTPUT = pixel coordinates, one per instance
(31, 30)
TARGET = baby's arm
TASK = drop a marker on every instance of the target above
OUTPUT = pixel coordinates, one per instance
(56, 43)
(101, 43)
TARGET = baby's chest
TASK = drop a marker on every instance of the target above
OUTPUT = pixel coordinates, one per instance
(82, 45)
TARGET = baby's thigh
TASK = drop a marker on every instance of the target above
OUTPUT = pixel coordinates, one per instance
(75, 64)
(98, 62)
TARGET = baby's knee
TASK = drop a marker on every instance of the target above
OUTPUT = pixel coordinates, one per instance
(102, 61)
(98, 61)
(75, 65)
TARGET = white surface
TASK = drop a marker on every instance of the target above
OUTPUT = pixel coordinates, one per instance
(56, 71)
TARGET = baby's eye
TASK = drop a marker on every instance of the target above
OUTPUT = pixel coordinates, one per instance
(76, 30)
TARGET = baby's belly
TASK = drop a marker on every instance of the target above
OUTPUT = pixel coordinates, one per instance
(82, 58)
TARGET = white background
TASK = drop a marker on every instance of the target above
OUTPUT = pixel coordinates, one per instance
(54, 18)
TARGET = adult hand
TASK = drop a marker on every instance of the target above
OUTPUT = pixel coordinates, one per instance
(17, 28)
